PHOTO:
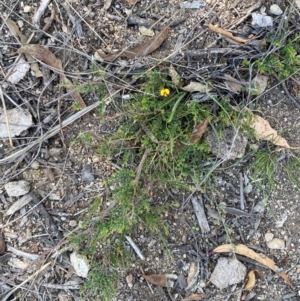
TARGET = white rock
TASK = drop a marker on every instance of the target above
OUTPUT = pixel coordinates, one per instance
(17, 188)
(297, 3)
(276, 243)
(80, 264)
(192, 5)
(269, 236)
(146, 31)
(18, 71)
(35, 165)
(275, 10)
(73, 223)
(27, 9)
(227, 272)
(261, 20)
(260, 82)
(19, 121)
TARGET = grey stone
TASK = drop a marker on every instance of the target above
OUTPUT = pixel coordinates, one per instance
(230, 145)
(17, 188)
(227, 272)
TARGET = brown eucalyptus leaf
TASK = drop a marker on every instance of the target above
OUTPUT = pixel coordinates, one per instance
(199, 131)
(251, 280)
(157, 279)
(229, 34)
(46, 56)
(261, 258)
(264, 131)
(141, 49)
(14, 28)
(194, 297)
(2, 244)
(131, 2)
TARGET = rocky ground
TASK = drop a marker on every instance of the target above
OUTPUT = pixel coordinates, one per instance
(51, 170)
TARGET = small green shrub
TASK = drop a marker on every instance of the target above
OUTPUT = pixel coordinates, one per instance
(284, 61)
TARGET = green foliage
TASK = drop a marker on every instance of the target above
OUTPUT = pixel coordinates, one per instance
(83, 138)
(164, 126)
(76, 107)
(264, 166)
(283, 62)
(100, 283)
(131, 207)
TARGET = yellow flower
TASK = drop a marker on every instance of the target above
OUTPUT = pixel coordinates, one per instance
(164, 92)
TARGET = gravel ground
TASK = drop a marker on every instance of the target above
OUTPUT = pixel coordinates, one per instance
(64, 175)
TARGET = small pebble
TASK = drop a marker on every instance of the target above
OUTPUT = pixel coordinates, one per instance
(27, 9)
(275, 10)
(73, 223)
(276, 243)
(35, 165)
(269, 236)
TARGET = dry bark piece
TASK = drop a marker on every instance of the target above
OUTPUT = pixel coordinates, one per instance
(2, 243)
(199, 131)
(141, 49)
(229, 34)
(24, 200)
(261, 258)
(200, 213)
(46, 56)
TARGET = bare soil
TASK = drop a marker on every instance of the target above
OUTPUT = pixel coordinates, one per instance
(54, 167)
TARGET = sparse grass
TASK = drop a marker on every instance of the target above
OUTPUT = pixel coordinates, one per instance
(281, 57)
(161, 126)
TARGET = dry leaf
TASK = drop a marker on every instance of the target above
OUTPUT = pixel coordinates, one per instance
(46, 56)
(14, 28)
(157, 279)
(131, 2)
(232, 84)
(174, 76)
(199, 131)
(141, 49)
(261, 258)
(2, 244)
(196, 87)
(251, 280)
(264, 131)
(194, 297)
(24, 200)
(229, 34)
